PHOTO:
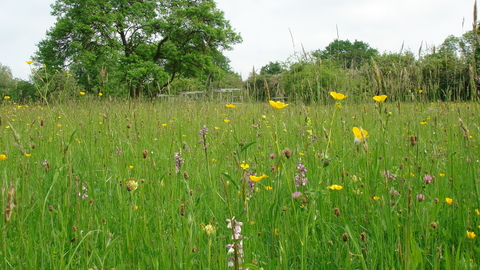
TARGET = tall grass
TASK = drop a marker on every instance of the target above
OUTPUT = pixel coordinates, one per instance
(71, 174)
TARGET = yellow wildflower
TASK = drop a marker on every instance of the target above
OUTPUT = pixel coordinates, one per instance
(230, 106)
(380, 98)
(449, 200)
(335, 187)
(226, 120)
(82, 93)
(277, 104)
(376, 198)
(268, 188)
(471, 235)
(257, 178)
(244, 165)
(6, 97)
(28, 155)
(209, 229)
(442, 175)
(337, 96)
(360, 134)
(477, 211)
(100, 94)
(130, 167)
(423, 123)
(132, 184)
(3, 157)
(29, 62)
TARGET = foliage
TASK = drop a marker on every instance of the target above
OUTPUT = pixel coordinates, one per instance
(264, 86)
(448, 72)
(6, 80)
(346, 53)
(272, 68)
(135, 42)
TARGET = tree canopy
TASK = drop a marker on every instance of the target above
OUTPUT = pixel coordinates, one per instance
(348, 54)
(136, 42)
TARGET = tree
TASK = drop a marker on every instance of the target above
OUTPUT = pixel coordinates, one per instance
(272, 68)
(135, 42)
(6, 80)
(348, 54)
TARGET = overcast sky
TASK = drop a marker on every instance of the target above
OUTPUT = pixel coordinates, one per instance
(274, 30)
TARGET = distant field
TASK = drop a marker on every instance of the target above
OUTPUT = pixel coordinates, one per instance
(139, 185)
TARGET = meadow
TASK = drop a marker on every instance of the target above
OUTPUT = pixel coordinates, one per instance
(119, 184)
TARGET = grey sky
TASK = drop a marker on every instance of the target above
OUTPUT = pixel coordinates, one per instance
(267, 27)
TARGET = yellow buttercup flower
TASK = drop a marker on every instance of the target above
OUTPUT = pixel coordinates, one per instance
(29, 62)
(376, 198)
(82, 93)
(360, 134)
(337, 96)
(226, 120)
(230, 106)
(100, 94)
(3, 157)
(257, 178)
(449, 200)
(471, 235)
(6, 97)
(268, 188)
(335, 187)
(244, 165)
(28, 155)
(380, 98)
(277, 104)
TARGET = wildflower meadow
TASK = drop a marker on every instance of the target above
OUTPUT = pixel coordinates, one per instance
(98, 183)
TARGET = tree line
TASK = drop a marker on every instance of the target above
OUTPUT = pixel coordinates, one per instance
(446, 72)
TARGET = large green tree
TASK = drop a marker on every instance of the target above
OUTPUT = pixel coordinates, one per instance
(346, 53)
(136, 42)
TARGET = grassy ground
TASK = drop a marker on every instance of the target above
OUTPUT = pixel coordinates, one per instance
(127, 185)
